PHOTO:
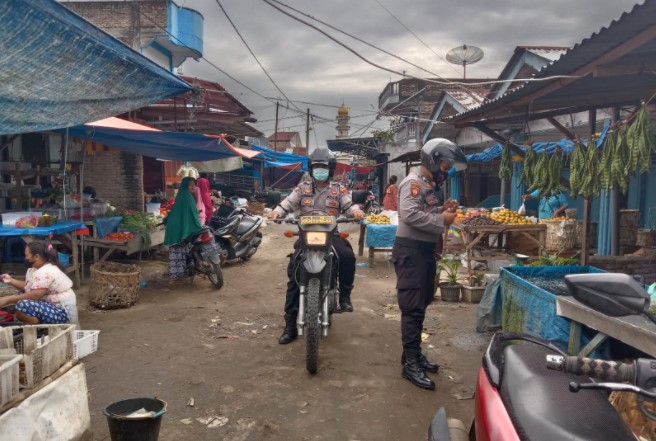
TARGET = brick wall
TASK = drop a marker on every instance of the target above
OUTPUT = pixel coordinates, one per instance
(124, 20)
(117, 178)
(631, 265)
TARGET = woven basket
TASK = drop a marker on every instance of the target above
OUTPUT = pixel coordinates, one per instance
(114, 285)
(561, 236)
(256, 208)
(627, 406)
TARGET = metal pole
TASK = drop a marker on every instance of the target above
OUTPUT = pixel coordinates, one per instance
(307, 133)
(275, 136)
(614, 206)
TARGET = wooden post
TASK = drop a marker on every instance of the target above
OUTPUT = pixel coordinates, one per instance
(585, 244)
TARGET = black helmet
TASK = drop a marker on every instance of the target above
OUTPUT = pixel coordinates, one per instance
(323, 156)
(438, 150)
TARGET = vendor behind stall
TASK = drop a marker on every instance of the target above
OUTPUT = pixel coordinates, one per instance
(46, 296)
(552, 206)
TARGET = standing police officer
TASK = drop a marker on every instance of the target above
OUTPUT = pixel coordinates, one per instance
(318, 194)
(421, 223)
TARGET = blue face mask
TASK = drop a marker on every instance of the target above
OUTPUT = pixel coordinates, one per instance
(320, 174)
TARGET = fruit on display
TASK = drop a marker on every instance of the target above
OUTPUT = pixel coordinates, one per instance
(509, 217)
(460, 215)
(480, 221)
(378, 219)
(123, 237)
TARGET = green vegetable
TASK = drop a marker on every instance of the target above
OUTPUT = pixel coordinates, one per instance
(140, 224)
(506, 168)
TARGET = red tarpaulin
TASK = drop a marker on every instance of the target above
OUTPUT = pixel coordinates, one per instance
(342, 168)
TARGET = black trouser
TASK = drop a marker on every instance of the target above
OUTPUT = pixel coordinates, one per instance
(415, 276)
(346, 276)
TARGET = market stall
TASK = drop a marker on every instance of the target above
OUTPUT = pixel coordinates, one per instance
(377, 232)
(64, 233)
(496, 237)
(129, 233)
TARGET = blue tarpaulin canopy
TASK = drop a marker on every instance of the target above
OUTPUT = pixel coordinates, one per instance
(58, 70)
(156, 144)
(567, 145)
(283, 160)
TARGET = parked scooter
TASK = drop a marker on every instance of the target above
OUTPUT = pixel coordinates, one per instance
(237, 232)
(520, 395)
(318, 267)
(203, 258)
(367, 201)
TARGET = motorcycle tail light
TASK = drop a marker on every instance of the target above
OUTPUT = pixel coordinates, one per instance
(343, 235)
(289, 233)
(206, 237)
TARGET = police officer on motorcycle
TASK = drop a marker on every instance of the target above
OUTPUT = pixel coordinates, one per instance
(421, 223)
(318, 195)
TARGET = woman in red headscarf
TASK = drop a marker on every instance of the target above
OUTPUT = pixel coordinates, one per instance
(203, 186)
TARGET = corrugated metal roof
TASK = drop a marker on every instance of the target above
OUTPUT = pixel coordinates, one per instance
(468, 99)
(551, 53)
(639, 19)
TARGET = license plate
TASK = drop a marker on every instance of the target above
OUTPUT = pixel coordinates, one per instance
(316, 220)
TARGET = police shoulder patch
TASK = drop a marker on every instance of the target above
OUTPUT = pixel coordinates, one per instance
(415, 188)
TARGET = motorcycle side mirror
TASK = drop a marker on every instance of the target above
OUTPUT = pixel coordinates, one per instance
(615, 295)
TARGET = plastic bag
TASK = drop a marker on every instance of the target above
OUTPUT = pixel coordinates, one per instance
(522, 210)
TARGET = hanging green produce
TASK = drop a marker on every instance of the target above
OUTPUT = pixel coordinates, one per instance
(606, 158)
(619, 174)
(506, 168)
(540, 173)
(530, 160)
(576, 165)
(640, 140)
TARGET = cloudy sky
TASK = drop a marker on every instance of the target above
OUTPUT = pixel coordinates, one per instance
(309, 67)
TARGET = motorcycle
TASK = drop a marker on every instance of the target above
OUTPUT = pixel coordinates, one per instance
(317, 274)
(367, 201)
(203, 258)
(531, 391)
(237, 232)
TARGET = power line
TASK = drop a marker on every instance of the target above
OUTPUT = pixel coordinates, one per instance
(415, 35)
(361, 40)
(218, 2)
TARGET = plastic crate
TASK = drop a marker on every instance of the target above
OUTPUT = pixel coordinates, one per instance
(9, 373)
(45, 348)
(84, 343)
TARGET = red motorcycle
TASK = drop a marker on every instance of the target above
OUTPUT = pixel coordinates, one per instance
(530, 391)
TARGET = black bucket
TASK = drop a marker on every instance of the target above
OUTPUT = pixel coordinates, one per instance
(135, 429)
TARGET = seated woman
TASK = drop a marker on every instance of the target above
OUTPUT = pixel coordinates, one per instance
(46, 296)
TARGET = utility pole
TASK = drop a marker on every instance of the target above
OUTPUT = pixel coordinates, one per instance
(307, 133)
(275, 136)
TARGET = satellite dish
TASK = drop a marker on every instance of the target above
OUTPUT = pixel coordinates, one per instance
(464, 55)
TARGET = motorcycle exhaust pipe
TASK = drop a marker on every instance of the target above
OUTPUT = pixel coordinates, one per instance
(325, 321)
(300, 323)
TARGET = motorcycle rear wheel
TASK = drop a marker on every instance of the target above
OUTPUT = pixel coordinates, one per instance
(312, 326)
(213, 273)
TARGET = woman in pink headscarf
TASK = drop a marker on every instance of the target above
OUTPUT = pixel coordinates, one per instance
(204, 201)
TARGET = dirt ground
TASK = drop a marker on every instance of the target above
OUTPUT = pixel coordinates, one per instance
(220, 349)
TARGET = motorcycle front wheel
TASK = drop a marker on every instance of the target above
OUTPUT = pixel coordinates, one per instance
(312, 326)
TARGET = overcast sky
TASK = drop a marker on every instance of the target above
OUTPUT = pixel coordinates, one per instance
(307, 66)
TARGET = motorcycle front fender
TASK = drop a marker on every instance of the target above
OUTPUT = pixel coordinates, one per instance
(314, 261)
(214, 258)
(446, 429)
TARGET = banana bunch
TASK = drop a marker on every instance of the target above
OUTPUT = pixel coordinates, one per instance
(378, 219)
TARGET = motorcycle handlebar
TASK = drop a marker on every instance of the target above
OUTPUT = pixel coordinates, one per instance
(612, 371)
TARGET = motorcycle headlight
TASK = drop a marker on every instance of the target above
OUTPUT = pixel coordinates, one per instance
(316, 238)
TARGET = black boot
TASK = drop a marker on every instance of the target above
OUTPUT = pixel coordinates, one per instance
(428, 366)
(290, 333)
(413, 371)
(345, 304)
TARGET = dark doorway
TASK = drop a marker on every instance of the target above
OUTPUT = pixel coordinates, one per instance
(153, 179)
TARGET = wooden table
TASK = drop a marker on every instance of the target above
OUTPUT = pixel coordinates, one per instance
(380, 248)
(634, 330)
(63, 232)
(473, 236)
(132, 246)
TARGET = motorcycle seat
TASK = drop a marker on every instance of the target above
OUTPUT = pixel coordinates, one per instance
(248, 223)
(542, 408)
(221, 228)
